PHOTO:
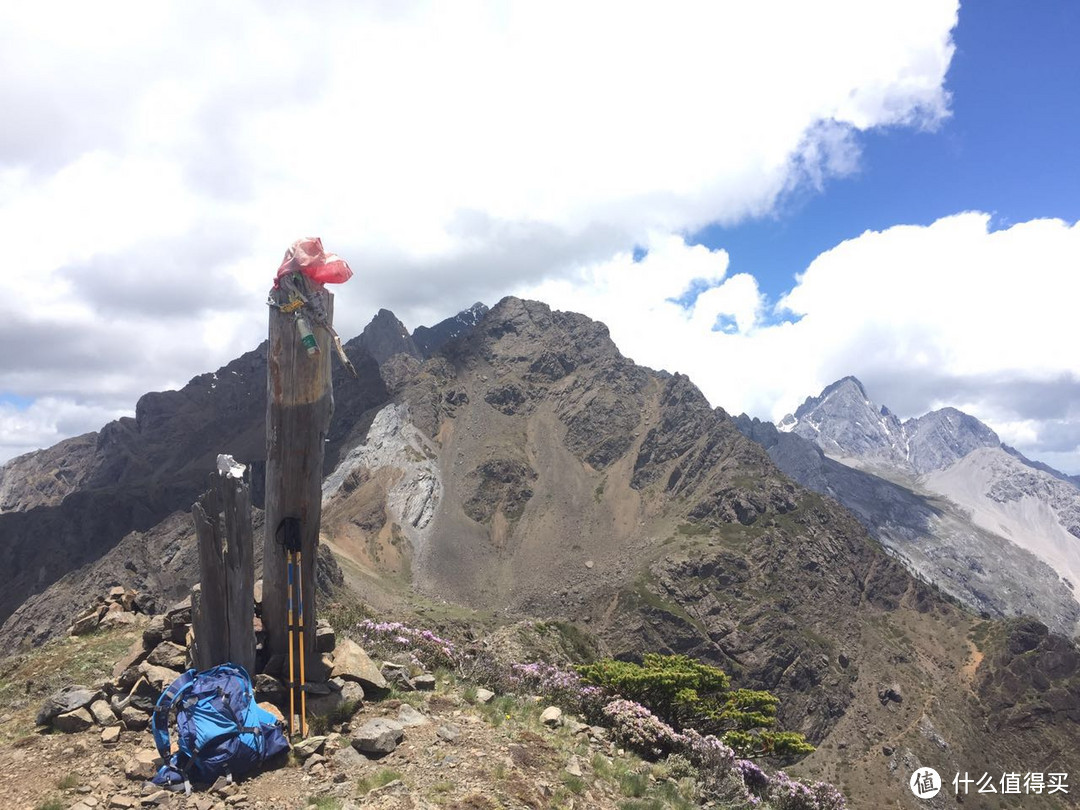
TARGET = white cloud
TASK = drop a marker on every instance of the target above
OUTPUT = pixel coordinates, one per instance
(450, 152)
(47, 421)
(947, 314)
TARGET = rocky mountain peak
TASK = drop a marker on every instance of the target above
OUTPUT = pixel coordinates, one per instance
(941, 437)
(386, 336)
(429, 339)
(844, 422)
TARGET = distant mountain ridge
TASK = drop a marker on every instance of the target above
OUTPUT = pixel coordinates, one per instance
(994, 529)
(844, 423)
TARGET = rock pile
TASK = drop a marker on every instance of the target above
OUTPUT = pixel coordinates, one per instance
(119, 606)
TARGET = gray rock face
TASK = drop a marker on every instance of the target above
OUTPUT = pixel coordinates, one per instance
(73, 722)
(987, 572)
(378, 736)
(351, 663)
(116, 504)
(386, 336)
(941, 437)
(67, 699)
(987, 531)
(429, 339)
(845, 424)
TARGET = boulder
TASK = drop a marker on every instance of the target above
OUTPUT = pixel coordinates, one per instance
(267, 687)
(110, 736)
(890, 692)
(425, 682)
(552, 717)
(73, 722)
(352, 691)
(170, 655)
(132, 658)
(448, 732)
(159, 677)
(347, 759)
(85, 624)
(573, 766)
(103, 714)
(324, 704)
(353, 664)
(274, 710)
(154, 632)
(410, 717)
(143, 696)
(325, 640)
(377, 737)
(142, 765)
(66, 700)
(484, 695)
(115, 618)
(133, 719)
(310, 746)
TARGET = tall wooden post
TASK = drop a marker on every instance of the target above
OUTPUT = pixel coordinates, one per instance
(300, 400)
(223, 608)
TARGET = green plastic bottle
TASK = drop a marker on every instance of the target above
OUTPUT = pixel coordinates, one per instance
(306, 337)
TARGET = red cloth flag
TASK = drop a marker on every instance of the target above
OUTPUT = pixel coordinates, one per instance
(308, 257)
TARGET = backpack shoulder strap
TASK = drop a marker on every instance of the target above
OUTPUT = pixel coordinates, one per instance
(159, 722)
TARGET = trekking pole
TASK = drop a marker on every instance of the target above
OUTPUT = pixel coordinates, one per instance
(289, 623)
(300, 643)
(288, 534)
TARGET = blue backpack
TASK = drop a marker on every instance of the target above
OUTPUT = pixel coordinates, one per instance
(219, 728)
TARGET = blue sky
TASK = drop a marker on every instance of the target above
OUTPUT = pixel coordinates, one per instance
(1009, 148)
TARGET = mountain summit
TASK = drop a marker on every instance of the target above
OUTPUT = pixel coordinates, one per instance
(844, 423)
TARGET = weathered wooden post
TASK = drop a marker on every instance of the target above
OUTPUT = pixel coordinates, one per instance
(223, 607)
(300, 401)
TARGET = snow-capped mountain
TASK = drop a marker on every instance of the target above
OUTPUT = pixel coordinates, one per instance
(996, 530)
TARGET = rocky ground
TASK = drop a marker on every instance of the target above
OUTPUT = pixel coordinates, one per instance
(454, 746)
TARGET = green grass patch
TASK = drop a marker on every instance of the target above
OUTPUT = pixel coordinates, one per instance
(69, 782)
(84, 660)
(383, 776)
(324, 802)
(633, 783)
(575, 784)
(51, 804)
(322, 723)
(694, 529)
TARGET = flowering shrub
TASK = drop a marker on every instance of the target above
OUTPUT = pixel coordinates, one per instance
(786, 793)
(755, 779)
(635, 727)
(423, 647)
(828, 797)
(557, 685)
(670, 681)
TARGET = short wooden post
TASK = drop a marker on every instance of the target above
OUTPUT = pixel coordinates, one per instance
(300, 401)
(224, 607)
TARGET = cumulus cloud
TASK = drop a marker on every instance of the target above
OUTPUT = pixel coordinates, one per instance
(950, 314)
(450, 153)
